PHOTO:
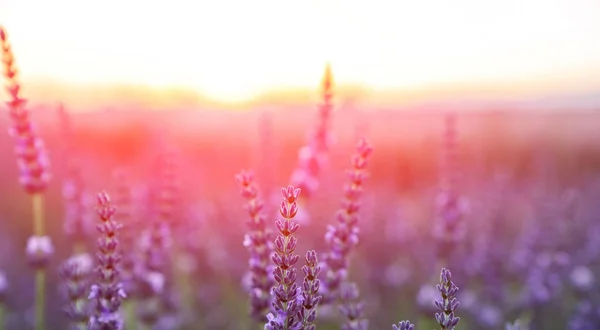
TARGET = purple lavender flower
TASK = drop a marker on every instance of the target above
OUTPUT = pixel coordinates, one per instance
(312, 157)
(352, 308)
(78, 224)
(39, 249)
(342, 237)
(107, 293)
(448, 304)
(76, 274)
(30, 150)
(258, 243)
(403, 325)
(450, 206)
(310, 291)
(78, 221)
(287, 295)
(124, 212)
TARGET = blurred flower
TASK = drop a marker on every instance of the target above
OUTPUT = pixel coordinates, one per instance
(32, 159)
(76, 273)
(258, 242)
(342, 237)
(39, 250)
(3, 286)
(426, 295)
(352, 308)
(582, 278)
(489, 316)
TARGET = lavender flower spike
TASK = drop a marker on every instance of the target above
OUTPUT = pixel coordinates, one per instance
(449, 303)
(287, 296)
(108, 292)
(352, 308)
(258, 243)
(403, 325)
(75, 272)
(343, 236)
(310, 290)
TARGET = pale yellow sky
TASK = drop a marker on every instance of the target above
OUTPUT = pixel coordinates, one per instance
(235, 50)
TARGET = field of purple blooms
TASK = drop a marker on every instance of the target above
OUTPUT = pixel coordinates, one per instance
(315, 217)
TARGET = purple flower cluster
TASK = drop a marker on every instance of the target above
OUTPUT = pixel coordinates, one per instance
(313, 156)
(450, 206)
(342, 237)
(31, 154)
(107, 293)
(448, 304)
(76, 273)
(403, 325)
(310, 291)
(287, 301)
(352, 308)
(259, 244)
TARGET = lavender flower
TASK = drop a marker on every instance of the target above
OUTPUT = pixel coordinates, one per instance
(312, 157)
(352, 308)
(78, 224)
(287, 295)
(3, 287)
(107, 293)
(75, 272)
(30, 150)
(123, 202)
(38, 251)
(310, 290)
(448, 304)
(34, 174)
(403, 325)
(258, 243)
(450, 206)
(342, 237)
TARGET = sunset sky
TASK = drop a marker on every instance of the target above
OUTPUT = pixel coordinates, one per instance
(236, 50)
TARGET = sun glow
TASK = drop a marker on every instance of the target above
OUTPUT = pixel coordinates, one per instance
(236, 50)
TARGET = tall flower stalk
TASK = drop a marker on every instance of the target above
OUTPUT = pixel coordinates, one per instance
(124, 212)
(449, 228)
(259, 244)
(107, 293)
(343, 236)
(75, 272)
(78, 224)
(352, 308)
(310, 291)
(34, 173)
(312, 157)
(287, 296)
(448, 304)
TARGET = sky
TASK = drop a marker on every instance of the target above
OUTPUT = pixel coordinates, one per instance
(237, 50)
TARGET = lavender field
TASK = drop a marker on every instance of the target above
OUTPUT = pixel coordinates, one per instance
(301, 217)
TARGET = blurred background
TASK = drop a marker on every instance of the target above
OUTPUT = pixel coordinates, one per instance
(234, 85)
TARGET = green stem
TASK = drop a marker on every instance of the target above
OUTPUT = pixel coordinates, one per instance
(40, 276)
(38, 214)
(130, 317)
(183, 277)
(40, 281)
(2, 313)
